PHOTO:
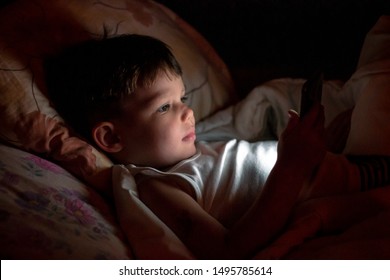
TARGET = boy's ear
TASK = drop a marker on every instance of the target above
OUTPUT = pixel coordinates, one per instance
(106, 137)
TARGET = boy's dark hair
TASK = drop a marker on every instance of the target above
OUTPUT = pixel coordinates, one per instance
(87, 82)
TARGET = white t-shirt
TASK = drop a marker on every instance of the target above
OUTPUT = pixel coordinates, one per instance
(224, 177)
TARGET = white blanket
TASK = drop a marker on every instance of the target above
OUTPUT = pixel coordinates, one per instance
(263, 114)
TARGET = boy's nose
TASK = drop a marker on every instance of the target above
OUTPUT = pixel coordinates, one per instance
(188, 113)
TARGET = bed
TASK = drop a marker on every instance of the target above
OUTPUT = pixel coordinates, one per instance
(55, 202)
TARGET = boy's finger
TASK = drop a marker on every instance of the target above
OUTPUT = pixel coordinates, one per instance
(293, 120)
(293, 114)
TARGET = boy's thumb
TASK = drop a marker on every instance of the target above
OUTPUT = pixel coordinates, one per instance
(293, 119)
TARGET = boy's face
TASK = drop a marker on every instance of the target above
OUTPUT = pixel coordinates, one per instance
(157, 128)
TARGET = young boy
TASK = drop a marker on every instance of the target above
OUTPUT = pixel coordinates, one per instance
(126, 94)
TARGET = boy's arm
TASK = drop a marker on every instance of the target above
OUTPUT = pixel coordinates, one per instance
(199, 231)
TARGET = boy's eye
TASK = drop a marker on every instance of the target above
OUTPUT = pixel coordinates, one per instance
(164, 108)
(184, 98)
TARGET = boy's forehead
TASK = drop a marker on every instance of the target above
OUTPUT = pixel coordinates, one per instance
(163, 87)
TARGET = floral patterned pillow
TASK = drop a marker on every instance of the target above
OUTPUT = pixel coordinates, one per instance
(46, 213)
(30, 30)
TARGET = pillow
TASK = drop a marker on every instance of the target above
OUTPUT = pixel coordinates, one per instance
(30, 30)
(370, 130)
(46, 213)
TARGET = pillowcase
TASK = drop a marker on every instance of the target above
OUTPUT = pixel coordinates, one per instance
(46, 213)
(30, 30)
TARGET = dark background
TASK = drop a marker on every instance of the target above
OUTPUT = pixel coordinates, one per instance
(265, 39)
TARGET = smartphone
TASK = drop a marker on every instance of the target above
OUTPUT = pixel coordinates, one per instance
(311, 93)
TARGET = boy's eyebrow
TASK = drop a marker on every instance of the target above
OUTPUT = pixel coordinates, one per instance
(158, 97)
(151, 100)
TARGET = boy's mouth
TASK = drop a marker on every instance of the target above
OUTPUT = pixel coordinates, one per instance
(191, 136)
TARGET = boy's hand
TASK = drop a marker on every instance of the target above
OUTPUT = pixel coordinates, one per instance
(302, 142)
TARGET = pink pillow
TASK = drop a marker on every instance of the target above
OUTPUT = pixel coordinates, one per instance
(48, 214)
